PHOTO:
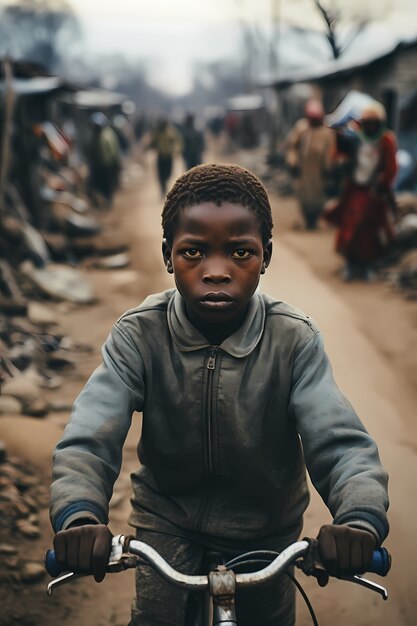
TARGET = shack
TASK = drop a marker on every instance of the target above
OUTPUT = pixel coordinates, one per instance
(26, 101)
(388, 74)
(246, 115)
(76, 109)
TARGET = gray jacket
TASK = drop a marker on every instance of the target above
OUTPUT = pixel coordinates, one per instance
(227, 430)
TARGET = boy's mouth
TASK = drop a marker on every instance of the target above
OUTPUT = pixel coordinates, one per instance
(217, 300)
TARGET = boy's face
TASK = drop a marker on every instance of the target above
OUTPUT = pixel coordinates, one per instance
(217, 257)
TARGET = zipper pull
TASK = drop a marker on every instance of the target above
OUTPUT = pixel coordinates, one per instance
(211, 363)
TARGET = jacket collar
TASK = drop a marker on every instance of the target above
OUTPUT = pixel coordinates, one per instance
(187, 338)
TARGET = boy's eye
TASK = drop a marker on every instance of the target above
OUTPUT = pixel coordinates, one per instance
(192, 253)
(240, 253)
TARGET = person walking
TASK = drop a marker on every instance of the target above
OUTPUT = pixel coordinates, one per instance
(364, 213)
(167, 142)
(104, 158)
(310, 149)
(193, 143)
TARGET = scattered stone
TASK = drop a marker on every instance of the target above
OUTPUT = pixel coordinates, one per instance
(9, 472)
(26, 481)
(406, 203)
(51, 382)
(11, 306)
(60, 282)
(114, 262)
(23, 387)
(73, 224)
(59, 361)
(35, 244)
(102, 245)
(21, 507)
(60, 406)
(37, 408)
(58, 245)
(68, 343)
(404, 274)
(12, 562)
(9, 491)
(41, 315)
(7, 550)
(34, 519)
(32, 572)
(26, 528)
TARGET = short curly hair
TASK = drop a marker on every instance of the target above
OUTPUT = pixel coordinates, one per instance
(217, 182)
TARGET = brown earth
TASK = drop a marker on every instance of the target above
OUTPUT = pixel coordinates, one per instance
(371, 334)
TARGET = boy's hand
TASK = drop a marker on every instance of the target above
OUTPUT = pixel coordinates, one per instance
(344, 550)
(84, 549)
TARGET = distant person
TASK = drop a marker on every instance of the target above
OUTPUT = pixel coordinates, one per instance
(249, 134)
(364, 213)
(124, 132)
(232, 124)
(167, 142)
(104, 158)
(310, 149)
(193, 143)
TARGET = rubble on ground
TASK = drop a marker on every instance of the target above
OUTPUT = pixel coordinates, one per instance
(404, 274)
(53, 231)
(406, 203)
(22, 497)
(399, 265)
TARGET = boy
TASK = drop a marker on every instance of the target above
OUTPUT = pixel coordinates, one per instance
(230, 383)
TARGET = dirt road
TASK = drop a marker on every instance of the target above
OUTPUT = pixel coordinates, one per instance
(370, 335)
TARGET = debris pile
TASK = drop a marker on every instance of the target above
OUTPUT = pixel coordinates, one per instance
(22, 496)
(399, 265)
(55, 200)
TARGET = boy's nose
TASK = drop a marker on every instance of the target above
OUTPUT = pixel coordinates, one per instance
(216, 273)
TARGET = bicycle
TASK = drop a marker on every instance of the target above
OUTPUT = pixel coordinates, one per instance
(221, 582)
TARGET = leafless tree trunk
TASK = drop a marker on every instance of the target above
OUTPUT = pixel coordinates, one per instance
(6, 131)
(332, 19)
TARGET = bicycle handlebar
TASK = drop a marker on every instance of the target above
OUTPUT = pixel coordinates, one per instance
(381, 563)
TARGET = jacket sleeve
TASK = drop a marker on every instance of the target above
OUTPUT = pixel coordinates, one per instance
(341, 457)
(87, 460)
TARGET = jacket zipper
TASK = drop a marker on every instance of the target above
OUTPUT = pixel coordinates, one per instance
(211, 366)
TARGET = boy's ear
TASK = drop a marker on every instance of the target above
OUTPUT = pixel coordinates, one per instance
(166, 253)
(267, 257)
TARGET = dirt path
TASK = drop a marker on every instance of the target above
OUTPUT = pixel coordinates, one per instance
(369, 333)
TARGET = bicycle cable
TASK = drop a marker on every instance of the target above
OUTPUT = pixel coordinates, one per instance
(265, 557)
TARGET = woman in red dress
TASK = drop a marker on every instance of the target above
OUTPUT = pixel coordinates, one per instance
(364, 214)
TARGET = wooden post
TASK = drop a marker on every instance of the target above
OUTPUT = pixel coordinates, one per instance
(6, 131)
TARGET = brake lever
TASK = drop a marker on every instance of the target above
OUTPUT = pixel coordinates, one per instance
(118, 562)
(368, 584)
(311, 565)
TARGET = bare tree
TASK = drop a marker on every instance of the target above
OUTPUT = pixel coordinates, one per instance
(332, 18)
(39, 30)
(345, 21)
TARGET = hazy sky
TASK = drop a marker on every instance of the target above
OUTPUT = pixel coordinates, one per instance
(174, 33)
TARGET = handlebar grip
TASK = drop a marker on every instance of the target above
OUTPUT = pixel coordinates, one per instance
(381, 562)
(52, 566)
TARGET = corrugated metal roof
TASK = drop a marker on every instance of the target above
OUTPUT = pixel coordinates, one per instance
(96, 99)
(338, 68)
(245, 102)
(34, 86)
